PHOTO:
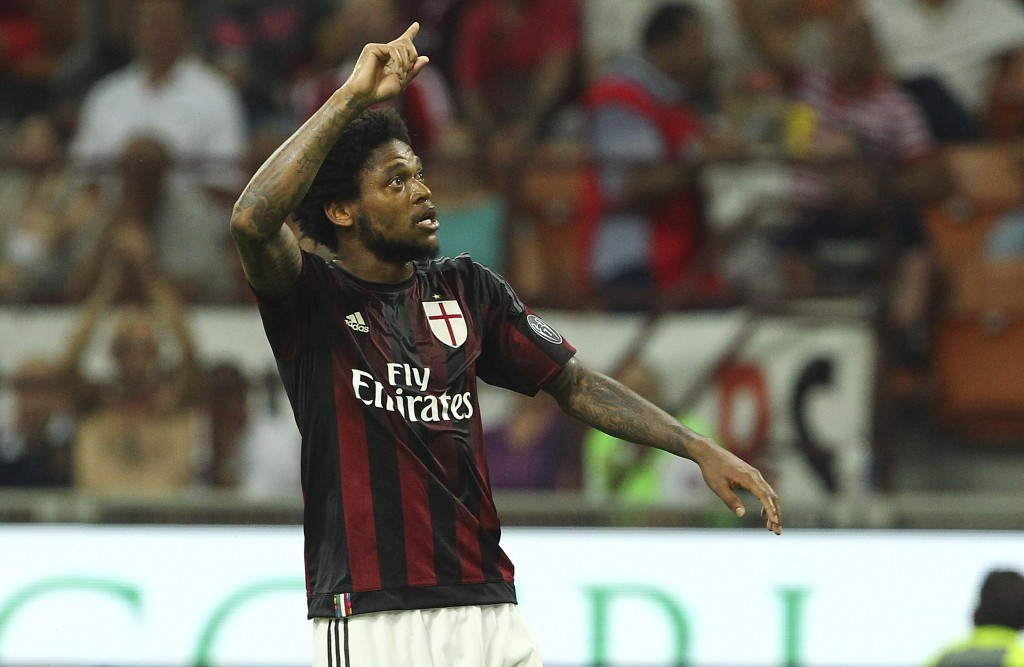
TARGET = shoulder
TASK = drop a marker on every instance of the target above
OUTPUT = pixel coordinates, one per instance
(316, 274)
(197, 74)
(315, 264)
(462, 260)
(475, 276)
(461, 264)
(623, 75)
(114, 84)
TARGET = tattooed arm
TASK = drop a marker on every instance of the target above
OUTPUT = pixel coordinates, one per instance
(269, 250)
(599, 401)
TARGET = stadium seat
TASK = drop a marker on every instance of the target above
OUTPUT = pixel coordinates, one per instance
(978, 368)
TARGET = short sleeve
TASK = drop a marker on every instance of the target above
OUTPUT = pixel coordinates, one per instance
(287, 320)
(520, 351)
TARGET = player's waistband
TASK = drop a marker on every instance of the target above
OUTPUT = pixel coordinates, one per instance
(338, 605)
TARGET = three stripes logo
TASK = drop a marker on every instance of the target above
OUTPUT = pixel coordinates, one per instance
(355, 322)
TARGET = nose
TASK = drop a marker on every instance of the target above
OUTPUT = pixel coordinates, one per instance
(421, 192)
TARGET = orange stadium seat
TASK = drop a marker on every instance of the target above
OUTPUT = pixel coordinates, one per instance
(978, 367)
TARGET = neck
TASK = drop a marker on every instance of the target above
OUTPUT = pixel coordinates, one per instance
(373, 270)
(158, 73)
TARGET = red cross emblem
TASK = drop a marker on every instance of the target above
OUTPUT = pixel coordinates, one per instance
(446, 321)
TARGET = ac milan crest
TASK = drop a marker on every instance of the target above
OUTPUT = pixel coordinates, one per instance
(446, 321)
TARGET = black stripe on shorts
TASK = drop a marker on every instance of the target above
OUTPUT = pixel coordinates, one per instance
(330, 654)
(337, 644)
(345, 621)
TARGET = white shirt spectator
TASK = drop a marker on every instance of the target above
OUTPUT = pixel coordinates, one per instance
(194, 111)
(955, 42)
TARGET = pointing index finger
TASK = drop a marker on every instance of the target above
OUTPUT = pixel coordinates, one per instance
(411, 31)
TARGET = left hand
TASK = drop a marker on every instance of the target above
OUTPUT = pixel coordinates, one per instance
(724, 471)
(382, 71)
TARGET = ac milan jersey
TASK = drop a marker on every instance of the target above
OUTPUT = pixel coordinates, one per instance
(383, 383)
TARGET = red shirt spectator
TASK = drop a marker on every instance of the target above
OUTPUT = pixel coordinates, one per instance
(515, 64)
(20, 35)
(496, 44)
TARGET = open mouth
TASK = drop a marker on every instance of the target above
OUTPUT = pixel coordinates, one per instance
(428, 220)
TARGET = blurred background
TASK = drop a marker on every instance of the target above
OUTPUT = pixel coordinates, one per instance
(798, 225)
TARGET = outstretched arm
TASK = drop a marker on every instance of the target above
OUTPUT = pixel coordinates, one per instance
(268, 248)
(599, 401)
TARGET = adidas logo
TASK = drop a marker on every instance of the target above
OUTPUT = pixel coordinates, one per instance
(355, 322)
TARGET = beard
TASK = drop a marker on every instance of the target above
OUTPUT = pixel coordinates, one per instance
(390, 250)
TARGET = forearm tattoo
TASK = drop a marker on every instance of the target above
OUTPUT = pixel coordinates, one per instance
(607, 405)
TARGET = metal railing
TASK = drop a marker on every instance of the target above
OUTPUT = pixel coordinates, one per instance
(910, 510)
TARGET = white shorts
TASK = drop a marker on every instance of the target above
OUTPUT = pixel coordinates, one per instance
(479, 636)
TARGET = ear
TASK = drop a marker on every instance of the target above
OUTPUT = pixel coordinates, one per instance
(342, 214)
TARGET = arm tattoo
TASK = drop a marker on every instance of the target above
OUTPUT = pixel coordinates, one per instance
(607, 405)
(270, 253)
(260, 207)
(283, 180)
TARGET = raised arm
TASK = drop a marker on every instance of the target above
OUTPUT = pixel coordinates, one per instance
(167, 304)
(97, 302)
(599, 401)
(269, 250)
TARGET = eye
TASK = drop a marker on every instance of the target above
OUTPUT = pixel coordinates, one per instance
(419, 175)
(397, 181)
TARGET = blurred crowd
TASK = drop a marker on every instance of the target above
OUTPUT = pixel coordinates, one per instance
(616, 154)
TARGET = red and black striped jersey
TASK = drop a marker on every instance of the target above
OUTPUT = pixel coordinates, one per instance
(398, 512)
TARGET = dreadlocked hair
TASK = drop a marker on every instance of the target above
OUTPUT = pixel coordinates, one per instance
(338, 176)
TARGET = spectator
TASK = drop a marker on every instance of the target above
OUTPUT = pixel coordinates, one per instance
(878, 165)
(515, 73)
(646, 222)
(532, 448)
(998, 621)
(426, 106)
(42, 216)
(625, 471)
(956, 57)
(188, 244)
(171, 95)
(40, 44)
(35, 447)
(246, 450)
(141, 429)
(777, 37)
(258, 45)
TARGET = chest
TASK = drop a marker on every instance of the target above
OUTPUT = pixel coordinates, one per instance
(419, 346)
